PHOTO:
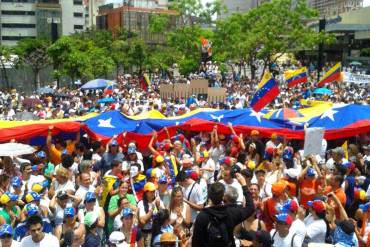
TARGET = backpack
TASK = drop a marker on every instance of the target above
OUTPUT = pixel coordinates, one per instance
(218, 235)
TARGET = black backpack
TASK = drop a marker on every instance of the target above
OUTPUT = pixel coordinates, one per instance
(217, 232)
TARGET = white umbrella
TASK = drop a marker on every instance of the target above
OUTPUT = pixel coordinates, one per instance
(15, 149)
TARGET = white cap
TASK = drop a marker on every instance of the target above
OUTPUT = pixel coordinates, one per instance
(134, 170)
(118, 238)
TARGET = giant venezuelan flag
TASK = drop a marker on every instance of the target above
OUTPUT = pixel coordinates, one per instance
(294, 77)
(331, 75)
(267, 90)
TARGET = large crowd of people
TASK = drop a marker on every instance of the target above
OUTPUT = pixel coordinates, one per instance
(191, 189)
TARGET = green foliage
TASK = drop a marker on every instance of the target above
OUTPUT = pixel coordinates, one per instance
(159, 23)
(365, 52)
(33, 52)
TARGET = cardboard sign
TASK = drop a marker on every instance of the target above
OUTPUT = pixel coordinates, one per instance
(198, 86)
(313, 141)
(216, 94)
(166, 91)
(181, 90)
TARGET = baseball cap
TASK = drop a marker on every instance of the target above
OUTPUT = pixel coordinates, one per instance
(90, 197)
(117, 238)
(7, 197)
(149, 186)
(16, 182)
(317, 205)
(90, 218)
(41, 154)
(159, 159)
(291, 173)
(350, 166)
(127, 212)
(167, 146)
(226, 161)
(168, 237)
(311, 172)
(6, 230)
(284, 218)
(70, 212)
(162, 179)
(35, 168)
(289, 205)
(365, 207)
(37, 187)
(62, 195)
(278, 188)
(262, 237)
(32, 196)
(113, 143)
(131, 150)
(31, 209)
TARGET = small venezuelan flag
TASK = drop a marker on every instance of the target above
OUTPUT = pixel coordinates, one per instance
(145, 82)
(109, 89)
(332, 75)
(267, 91)
(138, 186)
(295, 77)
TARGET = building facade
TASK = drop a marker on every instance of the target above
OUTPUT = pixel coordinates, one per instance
(134, 18)
(328, 8)
(21, 19)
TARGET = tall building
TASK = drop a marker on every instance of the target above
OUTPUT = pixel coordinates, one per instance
(134, 16)
(34, 18)
(328, 8)
(91, 11)
(237, 6)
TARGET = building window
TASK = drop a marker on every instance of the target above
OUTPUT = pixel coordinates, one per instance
(18, 1)
(18, 25)
(76, 14)
(17, 12)
(16, 37)
(78, 27)
(77, 2)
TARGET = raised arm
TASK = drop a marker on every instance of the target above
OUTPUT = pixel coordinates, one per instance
(150, 146)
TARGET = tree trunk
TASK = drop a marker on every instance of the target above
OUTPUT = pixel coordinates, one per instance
(37, 78)
(5, 74)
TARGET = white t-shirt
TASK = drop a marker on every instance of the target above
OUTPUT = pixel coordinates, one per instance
(299, 228)
(209, 176)
(14, 244)
(235, 184)
(286, 241)
(196, 196)
(141, 208)
(315, 230)
(48, 241)
(82, 191)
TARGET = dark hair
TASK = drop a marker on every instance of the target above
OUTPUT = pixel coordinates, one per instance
(3, 178)
(339, 179)
(216, 193)
(67, 160)
(95, 146)
(181, 176)
(80, 147)
(62, 142)
(23, 166)
(115, 163)
(33, 220)
(87, 155)
(158, 221)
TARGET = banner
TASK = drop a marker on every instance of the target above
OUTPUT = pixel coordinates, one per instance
(313, 141)
(355, 78)
(199, 86)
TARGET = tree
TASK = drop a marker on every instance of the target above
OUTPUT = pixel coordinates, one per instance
(267, 32)
(33, 52)
(119, 54)
(137, 53)
(5, 57)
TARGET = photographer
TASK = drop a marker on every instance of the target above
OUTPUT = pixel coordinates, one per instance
(228, 179)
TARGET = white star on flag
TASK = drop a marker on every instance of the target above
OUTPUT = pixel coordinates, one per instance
(177, 123)
(105, 123)
(329, 114)
(258, 115)
(217, 118)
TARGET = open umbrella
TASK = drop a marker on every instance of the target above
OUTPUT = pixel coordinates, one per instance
(106, 100)
(96, 84)
(45, 90)
(355, 63)
(15, 149)
(31, 102)
(322, 90)
(284, 114)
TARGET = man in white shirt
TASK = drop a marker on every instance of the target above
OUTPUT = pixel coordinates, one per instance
(229, 181)
(37, 237)
(85, 186)
(282, 236)
(192, 192)
(291, 207)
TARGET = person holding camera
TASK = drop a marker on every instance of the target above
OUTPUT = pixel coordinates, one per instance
(229, 180)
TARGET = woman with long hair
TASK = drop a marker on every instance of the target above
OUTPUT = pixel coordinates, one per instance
(179, 210)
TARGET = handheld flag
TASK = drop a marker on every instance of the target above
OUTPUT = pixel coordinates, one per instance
(294, 77)
(267, 91)
(345, 148)
(331, 75)
(109, 89)
(145, 82)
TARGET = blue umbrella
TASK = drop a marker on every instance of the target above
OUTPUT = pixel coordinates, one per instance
(45, 90)
(323, 90)
(106, 100)
(96, 84)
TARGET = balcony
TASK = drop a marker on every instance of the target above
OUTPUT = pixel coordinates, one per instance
(48, 4)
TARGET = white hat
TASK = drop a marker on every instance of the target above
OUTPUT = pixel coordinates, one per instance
(118, 238)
